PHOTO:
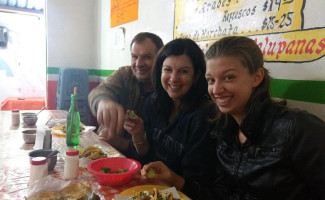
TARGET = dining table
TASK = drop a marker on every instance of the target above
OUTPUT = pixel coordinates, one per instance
(15, 161)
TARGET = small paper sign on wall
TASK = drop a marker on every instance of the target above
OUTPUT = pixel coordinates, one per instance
(123, 11)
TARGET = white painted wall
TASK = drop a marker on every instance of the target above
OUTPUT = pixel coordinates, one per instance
(156, 16)
(72, 33)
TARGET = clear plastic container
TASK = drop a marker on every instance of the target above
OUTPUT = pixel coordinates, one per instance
(71, 165)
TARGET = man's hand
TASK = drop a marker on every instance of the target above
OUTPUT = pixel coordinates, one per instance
(110, 114)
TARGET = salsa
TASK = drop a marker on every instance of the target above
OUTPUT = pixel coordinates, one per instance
(108, 170)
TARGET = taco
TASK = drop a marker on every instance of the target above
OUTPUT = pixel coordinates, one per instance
(153, 195)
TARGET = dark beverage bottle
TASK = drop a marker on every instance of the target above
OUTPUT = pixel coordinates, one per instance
(73, 121)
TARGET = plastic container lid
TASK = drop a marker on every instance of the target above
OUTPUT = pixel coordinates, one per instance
(38, 161)
(72, 152)
(15, 110)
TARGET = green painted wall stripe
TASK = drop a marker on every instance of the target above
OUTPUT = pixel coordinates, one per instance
(96, 72)
(300, 90)
(91, 72)
(52, 70)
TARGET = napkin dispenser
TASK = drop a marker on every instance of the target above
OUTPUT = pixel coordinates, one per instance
(43, 139)
(47, 144)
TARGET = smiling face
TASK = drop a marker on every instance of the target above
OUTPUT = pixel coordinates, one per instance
(142, 58)
(177, 76)
(230, 85)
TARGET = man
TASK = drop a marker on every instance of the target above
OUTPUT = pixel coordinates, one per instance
(125, 89)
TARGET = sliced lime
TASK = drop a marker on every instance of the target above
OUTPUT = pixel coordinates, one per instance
(151, 173)
(132, 115)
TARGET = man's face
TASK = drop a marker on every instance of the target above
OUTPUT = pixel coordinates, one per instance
(143, 55)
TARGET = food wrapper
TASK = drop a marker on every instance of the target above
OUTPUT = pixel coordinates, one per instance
(171, 190)
(56, 122)
(58, 130)
(49, 183)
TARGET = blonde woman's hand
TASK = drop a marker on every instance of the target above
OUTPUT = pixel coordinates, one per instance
(162, 175)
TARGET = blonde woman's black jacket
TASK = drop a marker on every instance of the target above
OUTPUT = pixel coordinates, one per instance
(282, 158)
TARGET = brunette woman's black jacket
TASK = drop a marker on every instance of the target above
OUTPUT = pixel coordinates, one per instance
(282, 158)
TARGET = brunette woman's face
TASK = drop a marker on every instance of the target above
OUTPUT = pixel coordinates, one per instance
(230, 85)
(177, 76)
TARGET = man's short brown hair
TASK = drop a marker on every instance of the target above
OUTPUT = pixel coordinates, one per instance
(144, 35)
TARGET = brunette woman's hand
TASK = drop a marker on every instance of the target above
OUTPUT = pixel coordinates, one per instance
(134, 125)
(163, 175)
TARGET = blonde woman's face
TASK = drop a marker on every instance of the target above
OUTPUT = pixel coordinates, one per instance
(230, 85)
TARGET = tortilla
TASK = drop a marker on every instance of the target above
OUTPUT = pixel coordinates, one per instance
(59, 131)
(47, 195)
(76, 190)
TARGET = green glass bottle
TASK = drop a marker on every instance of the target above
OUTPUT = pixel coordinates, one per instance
(73, 121)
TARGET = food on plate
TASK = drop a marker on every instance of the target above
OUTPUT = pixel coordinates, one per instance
(82, 128)
(93, 153)
(61, 130)
(153, 195)
(132, 115)
(151, 173)
(47, 195)
(108, 170)
(76, 190)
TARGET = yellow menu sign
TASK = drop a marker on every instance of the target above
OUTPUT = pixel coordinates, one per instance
(203, 20)
(123, 11)
(277, 26)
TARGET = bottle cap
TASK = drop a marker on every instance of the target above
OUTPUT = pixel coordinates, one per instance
(38, 161)
(15, 110)
(72, 152)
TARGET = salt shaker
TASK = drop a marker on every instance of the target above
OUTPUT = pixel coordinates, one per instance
(38, 169)
(71, 165)
(15, 117)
